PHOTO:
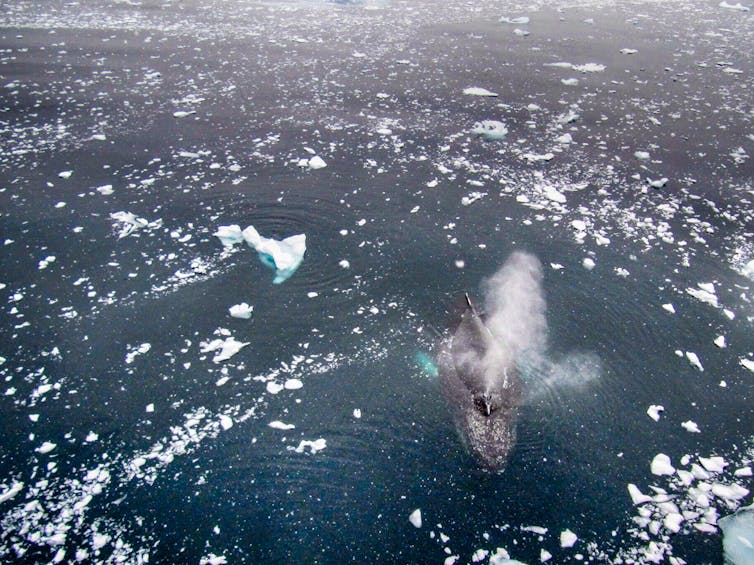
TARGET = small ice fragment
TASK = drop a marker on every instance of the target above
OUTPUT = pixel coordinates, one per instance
(278, 425)
(641, 155)
(690, 426)
(737, 6)
(105, 189)
(274, 388)
(314, 446)
(229, 235)
(460, 263)
(11, 491)
(732, 492)
(226, 422)
(91, 437)
(183, 113)
(738, 536)
(544, 555)
(628, 51)
(636, 495)
(242, 311)
(312, 294)
(490, 129)
(693, 358)
(521, 32)
(99, 540)
(654, 411)
(65, 174)
(713, 464)
(672, 522)
(478, 91)
(293, 384)
(344, 264)
(588, 263)
(213, 559)
(567, 538)
(661, 465)
(228, 348)
(416, 518)
(556, 266)
(565, 139)
(747, 363)
(479, 555)
(659, 183)
(46, 447)
(150, 408)
(357, 413)
(669, 307)
(705, 293)
(520, 20)
(589, 68)
(554, 194)
(570, 81)
(743, 472)
(720, 341)
(284, 256)
(472, 197)
(317, 162)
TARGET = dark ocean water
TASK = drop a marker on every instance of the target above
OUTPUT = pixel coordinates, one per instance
(122, 440)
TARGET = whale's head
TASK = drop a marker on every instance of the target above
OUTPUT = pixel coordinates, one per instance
(485, 404)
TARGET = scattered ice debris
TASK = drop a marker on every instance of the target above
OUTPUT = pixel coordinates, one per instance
(46, 447)
(568, 538)
(293, 384)
(654, 411)
(478, 91)
(479, 555)
(589, 68)
(44, 263)
(738, 536)
(213, 559)
(693, 358)
(357, 413)
(472, 197)
(737, 6)
(537, 158)
(720, 342)
(659, 183)
(519, 20)
(65, 174)
(314, 446)
(183, 113)
(551, 193)
(416, 518)
(690, 426)
(278, 425)
(661, 465)
(229, 235)
(628, 51)
(669, 308)
(565, 139)
(227, 347)
(490, 129)
(242, 311)
(105, 189)
(130, 223)
(748, 270)
(705, 293)
(139, 350)
(588, 263)
(747, 363)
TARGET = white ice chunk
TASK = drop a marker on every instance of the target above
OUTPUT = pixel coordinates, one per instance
(273, 387)
(520, 20)
(659, 183)
(316, 162)
(641, 155)
(705, 293)
(673, 521)
(229, 235)
(228, 347)
(693, 358)
(490, 129)
(105, 189)
(570, 81)
(293, 384)
(628, 51)
(732, 492)
(99, 540)
(737, 6)
(278, 425)
(690, 426)
(554, 194)
(713, 464)
(314, 446)
(567, 538)
(46, 447)
(654, 411)
(284, 256)
(213, 559)
(479, 555)
(720, 341)
(478, 91)
(738, 536)
(357, 413)
(565, 139)
(588, 263)
(226, 422)
(589, 68)
(416, 518)
(242, 311)
(747, 363)
(661, 465)
(11, 491)
(65, 174)
(669, 307)
(183, 113)
(636, 495)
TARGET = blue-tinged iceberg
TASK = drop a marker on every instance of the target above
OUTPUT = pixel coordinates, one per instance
(738, 536)
(284, 256)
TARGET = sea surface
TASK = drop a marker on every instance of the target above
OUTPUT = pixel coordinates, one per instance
(131, 131)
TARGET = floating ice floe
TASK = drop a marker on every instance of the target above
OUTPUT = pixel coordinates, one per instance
(669, 308)
(738, 536)
(641, 155)
(628, 51)
(478, 91)
(278, 425)
(537, 158)
(65, 174)
(213, 559)
(568, 538)
(661, 465)
(105, 189)
(521, 32)
(659, 183)
(242, 311)
(693, 358)
(357, 413)
(139, 350)
(748, 270)
(738, 6)
(130, 223)
(284, 256)
(589, 68)
(705, 293)
(690, 426)
(416, 518)
(654, 411)
(520, 20)
(747, 363)
(313, 163)
(472, 197)
(227, 347)
(11, 491)
(183, 113)
(588, 263)
(46, 447)
(565, 139)
(314, 446)
(490, 129)
(720, 342)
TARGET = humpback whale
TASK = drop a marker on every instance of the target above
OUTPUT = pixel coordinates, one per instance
(477, 361)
